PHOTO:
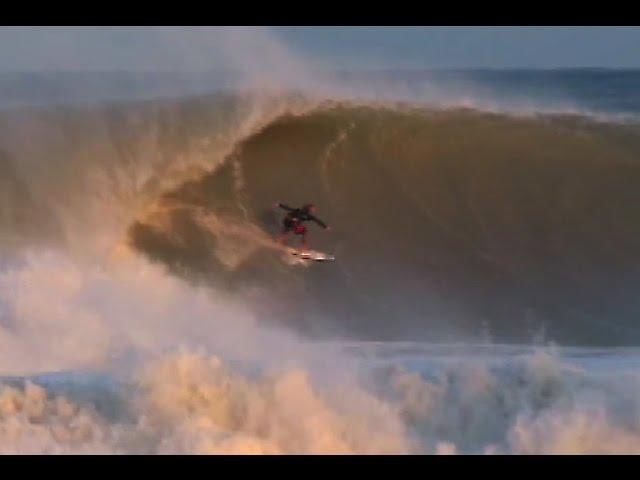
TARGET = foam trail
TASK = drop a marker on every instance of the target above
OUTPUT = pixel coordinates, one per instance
(193, 402)
(128, 319)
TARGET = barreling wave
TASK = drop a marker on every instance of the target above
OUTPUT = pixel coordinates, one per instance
(449, 223)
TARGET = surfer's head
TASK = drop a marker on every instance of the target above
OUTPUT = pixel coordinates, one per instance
(310, 208)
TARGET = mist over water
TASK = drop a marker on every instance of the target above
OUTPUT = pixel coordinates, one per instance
(143, 308)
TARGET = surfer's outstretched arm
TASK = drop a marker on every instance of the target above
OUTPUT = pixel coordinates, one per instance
(318, 221)
(285, 207)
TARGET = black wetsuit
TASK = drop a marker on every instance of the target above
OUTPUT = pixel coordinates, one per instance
(296, 217)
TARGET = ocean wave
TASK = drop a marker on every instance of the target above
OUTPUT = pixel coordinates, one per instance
(454, 221)
(464, 220)
(137, 247)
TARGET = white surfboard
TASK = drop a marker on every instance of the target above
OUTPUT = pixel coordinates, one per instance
(313, 255)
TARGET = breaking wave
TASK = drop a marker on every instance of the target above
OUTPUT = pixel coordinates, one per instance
(451, 222)
(137, 266)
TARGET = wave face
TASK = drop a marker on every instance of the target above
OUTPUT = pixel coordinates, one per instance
(447, 223)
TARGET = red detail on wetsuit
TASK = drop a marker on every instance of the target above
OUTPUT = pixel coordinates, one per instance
(300, 229)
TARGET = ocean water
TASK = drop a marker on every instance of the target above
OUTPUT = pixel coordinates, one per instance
(483, 300)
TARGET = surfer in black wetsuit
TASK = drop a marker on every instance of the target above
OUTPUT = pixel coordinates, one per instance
(293, 222)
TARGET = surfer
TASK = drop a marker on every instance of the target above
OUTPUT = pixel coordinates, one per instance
(293, 222)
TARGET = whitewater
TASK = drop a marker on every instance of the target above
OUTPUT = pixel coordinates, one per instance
(483, 300)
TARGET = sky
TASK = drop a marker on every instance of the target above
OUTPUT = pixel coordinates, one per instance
(471, 47)
(206, 48)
